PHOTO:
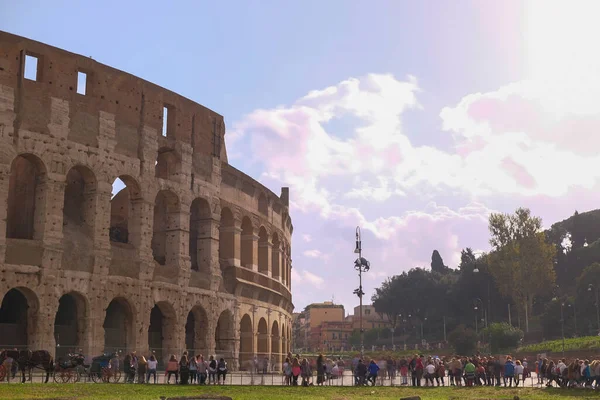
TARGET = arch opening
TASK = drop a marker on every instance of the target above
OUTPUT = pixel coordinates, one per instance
(26, 198)
(263, 250)
(162, 331)
(70, 324)
(247, 251)
(263, 340)
(167, 164)
(196, 331)
(18, 317)
(246, 343)
(118, 326)
(125, 192)
(225, 336)
(166, 209)
(200, 235)
(275, 350)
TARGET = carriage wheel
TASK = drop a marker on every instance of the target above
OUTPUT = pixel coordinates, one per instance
(76, 375)
(96, 377)
(115, 377)
(65, 375)
(56, 375)
(2, 372)
(105, 375)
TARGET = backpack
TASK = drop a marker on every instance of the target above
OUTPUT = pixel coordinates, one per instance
(213, 365)
(222, 366)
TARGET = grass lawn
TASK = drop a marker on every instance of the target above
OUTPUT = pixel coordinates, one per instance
(154, 392)
(580, 343)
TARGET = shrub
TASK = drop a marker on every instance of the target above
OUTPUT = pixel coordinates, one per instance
(502, 336)
(464, 340)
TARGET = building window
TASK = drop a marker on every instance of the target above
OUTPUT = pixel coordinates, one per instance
(31, 67)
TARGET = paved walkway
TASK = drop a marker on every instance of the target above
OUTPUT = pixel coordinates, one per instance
(277, 379)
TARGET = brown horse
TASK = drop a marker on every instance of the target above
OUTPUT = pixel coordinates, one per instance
(28, 360)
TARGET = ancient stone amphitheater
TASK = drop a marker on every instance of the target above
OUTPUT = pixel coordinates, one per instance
(191, 254)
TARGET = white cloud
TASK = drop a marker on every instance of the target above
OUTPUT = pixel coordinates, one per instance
(304, 276)
(313, 253)
(507, 144)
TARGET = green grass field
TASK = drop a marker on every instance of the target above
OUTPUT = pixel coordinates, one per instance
(581, 343)
(154, 392)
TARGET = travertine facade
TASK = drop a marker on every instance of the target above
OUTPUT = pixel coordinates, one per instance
(191, 254)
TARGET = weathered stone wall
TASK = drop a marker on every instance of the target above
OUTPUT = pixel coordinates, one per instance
(61, 152)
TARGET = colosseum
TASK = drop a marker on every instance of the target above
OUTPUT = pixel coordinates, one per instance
(191, 253)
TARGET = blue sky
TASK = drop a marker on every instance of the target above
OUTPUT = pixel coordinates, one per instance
(411, 139)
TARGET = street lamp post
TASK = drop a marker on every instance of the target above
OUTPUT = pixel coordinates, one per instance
(361, 265)
(476, 312)
(488, 311)
(591, 288)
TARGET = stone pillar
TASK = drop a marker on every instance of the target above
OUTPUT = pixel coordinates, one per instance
(208, 248)
(289, 265)
(101, 221)
(210, 342)
(254, 240)
(177, 241)
(7, 154)
(95, 325)
(141, 322)
(107, 132)
(236, 334)
(284, 275)
(49, 211)
(4, 183)
(141, 220)
(49, 217)
(101, 218)
(40, 324)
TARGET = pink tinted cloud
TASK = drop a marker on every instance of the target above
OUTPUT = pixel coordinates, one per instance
(518, 172)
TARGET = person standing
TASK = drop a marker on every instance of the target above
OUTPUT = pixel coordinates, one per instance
(151, 366)
(193, 369)
(221, 371)
(201, 368)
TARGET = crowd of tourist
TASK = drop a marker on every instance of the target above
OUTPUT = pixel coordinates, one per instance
(447, 371)
(417, 370)
(188, 369)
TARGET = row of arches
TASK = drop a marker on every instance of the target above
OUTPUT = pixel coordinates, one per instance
(174, 234)
(167, 333)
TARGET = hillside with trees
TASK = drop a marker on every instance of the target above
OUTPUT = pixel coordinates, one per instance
(523, 282)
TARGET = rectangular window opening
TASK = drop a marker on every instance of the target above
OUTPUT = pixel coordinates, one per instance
(165, 118)
(31, 67)
(81, 82)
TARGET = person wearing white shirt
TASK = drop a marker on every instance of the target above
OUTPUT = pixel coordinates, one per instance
(429, 373)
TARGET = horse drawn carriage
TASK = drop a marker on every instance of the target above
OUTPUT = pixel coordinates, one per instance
(26, 360)
(104, 368)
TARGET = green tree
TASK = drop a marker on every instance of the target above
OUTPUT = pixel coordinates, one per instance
(463, 339)
(437, 263)
(502, 336)
(588, 288)
(522, 260)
